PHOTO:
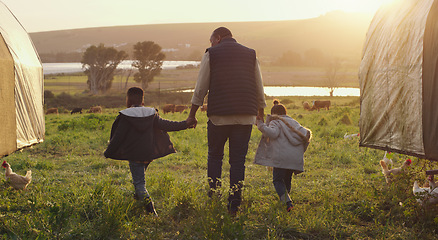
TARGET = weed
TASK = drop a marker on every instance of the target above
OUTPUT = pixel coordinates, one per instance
(76, 193)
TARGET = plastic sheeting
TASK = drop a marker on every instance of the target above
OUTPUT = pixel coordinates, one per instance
(28, 82)
(393, 83)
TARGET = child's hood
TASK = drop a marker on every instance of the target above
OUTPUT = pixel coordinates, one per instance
(293, 137)
(140, 117)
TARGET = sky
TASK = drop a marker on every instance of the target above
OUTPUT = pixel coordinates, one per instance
(48, 15)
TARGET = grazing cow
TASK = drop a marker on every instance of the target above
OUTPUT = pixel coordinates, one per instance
(52, 111)
(168, 108)
(76, 110)
(96, 109)
(320, 104)
(204, 108)
(306, 106)
(180, 108)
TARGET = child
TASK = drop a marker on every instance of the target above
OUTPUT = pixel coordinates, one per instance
(138, 135)
(282, 147)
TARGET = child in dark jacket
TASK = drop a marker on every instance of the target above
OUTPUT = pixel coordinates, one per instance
(139, 135)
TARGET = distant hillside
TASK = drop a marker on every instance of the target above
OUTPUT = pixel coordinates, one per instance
(335, 34)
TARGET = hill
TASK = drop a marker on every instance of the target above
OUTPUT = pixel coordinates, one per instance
(337, 34)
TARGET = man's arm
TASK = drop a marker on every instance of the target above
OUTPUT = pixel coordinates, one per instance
(261, 115)
(203, 81)
(260, 91)
(201, 89)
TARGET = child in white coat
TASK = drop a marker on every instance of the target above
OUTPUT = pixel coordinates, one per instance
(282, 147)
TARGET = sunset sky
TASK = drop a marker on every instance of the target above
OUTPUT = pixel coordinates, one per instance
(47, 15)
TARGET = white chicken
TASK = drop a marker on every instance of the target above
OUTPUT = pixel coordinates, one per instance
(426, 195)
(388, 158)
(16, 181)
(430, 183)
(388, 173)
(350, 136)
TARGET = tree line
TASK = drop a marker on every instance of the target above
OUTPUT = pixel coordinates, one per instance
(100, 64)
(311, 57)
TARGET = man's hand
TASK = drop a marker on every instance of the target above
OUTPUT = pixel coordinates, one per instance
(191, 122)
(261, 115)
(260, 118)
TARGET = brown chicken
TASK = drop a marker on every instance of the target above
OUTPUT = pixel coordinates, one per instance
(16, 181)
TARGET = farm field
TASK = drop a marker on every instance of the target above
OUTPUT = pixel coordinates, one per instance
(171, 79)
(76, 193)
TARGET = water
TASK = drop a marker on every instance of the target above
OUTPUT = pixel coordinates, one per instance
(278, 91)
(310, 91)
(75, 67)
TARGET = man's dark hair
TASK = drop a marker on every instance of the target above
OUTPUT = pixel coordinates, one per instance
(222, 32)
(135, 95)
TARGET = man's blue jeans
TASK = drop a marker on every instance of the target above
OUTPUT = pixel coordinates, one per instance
(238, 136)
(138, 179)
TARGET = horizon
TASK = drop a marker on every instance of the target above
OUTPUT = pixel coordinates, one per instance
(53, 15)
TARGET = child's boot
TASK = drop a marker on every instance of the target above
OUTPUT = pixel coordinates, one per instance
(286, 198)
(150, 206)
(289, 206)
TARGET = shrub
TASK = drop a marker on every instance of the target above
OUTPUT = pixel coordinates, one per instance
(323, 121)
(64, 96)
(88, 122)
(48, 94)
(286, 101)
(345, 120)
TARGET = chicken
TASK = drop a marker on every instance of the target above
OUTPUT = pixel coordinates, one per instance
(16, 181)
(430, 183)
(425, 195)
(388, 158)
(350, 136)
(390, 172)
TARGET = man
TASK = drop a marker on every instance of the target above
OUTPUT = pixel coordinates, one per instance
(230, 73)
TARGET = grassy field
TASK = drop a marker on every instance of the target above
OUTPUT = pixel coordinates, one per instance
(171, 79)
(78, 194)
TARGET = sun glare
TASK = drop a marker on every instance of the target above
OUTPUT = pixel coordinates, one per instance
(369, 6)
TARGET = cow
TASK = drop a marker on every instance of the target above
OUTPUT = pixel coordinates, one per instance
(320, 104)
(306, 106)
(203, 108)
(52, 111)
(180, 108)
(76, 110)
(168, 108)
(96, 109)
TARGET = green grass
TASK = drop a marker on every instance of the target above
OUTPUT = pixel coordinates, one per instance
(78, 194)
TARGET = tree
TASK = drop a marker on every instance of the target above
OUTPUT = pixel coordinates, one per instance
(148, 59)
(100, 64)
(289, 58)
(314, 57)
(332, 74)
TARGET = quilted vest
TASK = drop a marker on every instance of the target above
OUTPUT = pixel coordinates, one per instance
(232, 79)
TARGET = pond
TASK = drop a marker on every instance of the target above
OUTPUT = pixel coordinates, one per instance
(281, 91)
(310, 91)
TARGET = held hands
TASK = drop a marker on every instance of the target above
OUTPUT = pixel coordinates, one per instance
(260, 118)
(261, 115)
(191, 122)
